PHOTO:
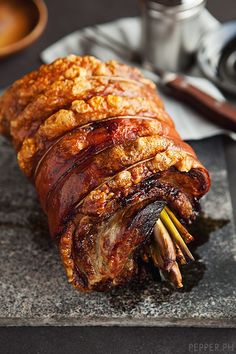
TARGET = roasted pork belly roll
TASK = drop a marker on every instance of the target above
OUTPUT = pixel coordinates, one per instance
(113, 176)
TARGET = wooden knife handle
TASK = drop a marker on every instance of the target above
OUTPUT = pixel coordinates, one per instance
(221, 113)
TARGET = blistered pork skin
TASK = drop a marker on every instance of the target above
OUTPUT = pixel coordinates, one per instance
(84, 112)
(62, 93)
(105, 159)
(24, 90)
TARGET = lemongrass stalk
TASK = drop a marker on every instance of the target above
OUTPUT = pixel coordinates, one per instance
(164, 244)
(184, 233)
(156, 257)
(175, 234)
(179, 255)
(175, 276)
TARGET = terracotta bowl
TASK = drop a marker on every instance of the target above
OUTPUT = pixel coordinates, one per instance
(21, 23)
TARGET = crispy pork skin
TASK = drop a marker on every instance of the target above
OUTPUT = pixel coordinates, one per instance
(105, 158)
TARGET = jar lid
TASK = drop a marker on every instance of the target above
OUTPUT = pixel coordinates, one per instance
(174, 5)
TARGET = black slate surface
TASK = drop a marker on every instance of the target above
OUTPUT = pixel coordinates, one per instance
(34, 290)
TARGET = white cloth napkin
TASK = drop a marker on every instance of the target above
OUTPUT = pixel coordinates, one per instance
(120, 38)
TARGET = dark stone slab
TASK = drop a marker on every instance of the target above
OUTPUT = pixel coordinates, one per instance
(34, 289)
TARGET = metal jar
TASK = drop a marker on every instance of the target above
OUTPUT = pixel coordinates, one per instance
(171, 31)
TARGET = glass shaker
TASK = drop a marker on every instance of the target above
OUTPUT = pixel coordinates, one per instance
(171, 31)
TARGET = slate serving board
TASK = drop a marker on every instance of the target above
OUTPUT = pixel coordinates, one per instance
(34, 289)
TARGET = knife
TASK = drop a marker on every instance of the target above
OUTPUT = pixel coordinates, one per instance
(177, 86)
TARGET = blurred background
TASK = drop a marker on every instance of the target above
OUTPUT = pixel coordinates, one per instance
(67, 16)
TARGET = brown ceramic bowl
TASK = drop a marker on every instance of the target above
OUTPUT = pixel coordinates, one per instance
(21, 23)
